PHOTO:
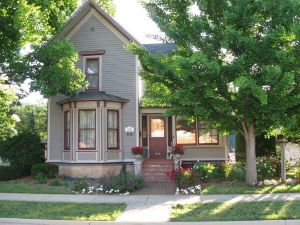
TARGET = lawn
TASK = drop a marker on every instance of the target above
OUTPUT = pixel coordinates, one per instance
(60, 211)
(240, 211)
(28, 186)
(241, 188)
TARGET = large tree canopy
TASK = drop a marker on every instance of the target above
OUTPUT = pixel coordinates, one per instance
(26, 26)
(237, 64)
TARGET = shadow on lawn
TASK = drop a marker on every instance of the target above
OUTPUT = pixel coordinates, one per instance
(239, 211)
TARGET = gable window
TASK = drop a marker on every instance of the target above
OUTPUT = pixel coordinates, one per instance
(67, 130)
(186, 130)
(113, 139)
(87, 129)
(92, 72)
(207, 134)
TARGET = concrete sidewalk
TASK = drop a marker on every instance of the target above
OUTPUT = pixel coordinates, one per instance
(63, 222)
(149, 208)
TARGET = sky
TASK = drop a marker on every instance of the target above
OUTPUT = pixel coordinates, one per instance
(133, 17)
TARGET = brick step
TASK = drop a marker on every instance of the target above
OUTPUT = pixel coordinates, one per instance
(156, 178)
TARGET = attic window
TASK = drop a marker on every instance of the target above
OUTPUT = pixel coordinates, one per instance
(92, 68)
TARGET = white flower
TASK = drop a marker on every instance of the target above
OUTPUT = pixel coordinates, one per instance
(15, 117)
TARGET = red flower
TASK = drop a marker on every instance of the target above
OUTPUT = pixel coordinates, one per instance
(137, 150)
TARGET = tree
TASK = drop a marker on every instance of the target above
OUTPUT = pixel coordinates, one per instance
(8, 120)
(25, 51)
(237, 64)
(32, 118)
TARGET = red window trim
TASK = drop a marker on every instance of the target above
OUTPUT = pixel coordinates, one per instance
(117, 129)
(79, 129)
(67, 130)
(85, 64)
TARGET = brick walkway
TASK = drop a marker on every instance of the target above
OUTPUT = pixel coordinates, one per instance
(157, 188)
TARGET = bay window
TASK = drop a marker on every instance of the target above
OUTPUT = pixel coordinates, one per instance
(113, 138)
(193, 131)
(67, 130)
(87, 129)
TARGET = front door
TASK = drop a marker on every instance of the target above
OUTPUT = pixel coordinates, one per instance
(158, 139)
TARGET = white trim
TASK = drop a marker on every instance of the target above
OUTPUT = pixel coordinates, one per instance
(91, 13)
(137, 99)
(99, 69)
(201, 159)
(53, 160)
(48, 130)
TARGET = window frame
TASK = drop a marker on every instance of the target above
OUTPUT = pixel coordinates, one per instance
(99, 83)
(79, 129)
(67, 147)
(117, 129)
(210, 129)
(197, 143)
(196, 135)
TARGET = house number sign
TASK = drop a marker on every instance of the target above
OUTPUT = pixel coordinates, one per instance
(129, 130)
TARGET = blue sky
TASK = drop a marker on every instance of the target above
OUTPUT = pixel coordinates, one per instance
(133, 17)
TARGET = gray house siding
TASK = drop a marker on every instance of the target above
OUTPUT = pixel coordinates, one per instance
(118, 72)
(55, 129)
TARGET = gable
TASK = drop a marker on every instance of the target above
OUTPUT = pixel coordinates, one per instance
(84, 13)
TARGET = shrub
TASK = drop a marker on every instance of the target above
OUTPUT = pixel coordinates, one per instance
(55, 182)
(267, 167)
(80, 185)
(49, 170)
(40, 178)
(227, 169)
(206, 171)
(238, 173)
(22, 151)
(9, 173)
(124, 182)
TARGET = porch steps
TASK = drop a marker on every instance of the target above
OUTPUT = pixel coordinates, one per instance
(157, 169)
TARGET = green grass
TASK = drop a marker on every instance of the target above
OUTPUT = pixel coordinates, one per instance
(60, 211)
(240, 211)
(240, 188)
(24, 186)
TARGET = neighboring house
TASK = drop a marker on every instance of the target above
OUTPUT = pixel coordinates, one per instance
(93, 132)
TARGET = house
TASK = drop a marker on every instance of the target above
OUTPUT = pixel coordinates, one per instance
(93, 132)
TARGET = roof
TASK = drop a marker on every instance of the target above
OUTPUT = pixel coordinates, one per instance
(160, 48)
(82, 11)
(93, 96)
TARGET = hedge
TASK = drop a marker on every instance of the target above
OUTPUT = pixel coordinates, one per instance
(49, 170)
(10, 173)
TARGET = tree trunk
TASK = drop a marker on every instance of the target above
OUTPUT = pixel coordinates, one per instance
(251, 171)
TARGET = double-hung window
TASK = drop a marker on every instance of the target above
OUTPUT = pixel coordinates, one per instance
(113, 139)
(67, 123)
(193, 131)
(92, 73)
(87, 129)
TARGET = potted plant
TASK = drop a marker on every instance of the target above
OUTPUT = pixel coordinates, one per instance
(137, 152)
(177, 151)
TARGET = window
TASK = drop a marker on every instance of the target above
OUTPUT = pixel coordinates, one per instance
(186, 130)
(92, 73)
(113, 129)
(186, 134)
(144, 131)
(157, 127)
(207, 134)
(67, 130)
(87, 129)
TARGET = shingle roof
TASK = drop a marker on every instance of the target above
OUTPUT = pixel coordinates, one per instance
(160, 48)
(93, 96)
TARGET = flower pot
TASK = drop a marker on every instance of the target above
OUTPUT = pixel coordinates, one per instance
(138, 156)
(177, 156)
